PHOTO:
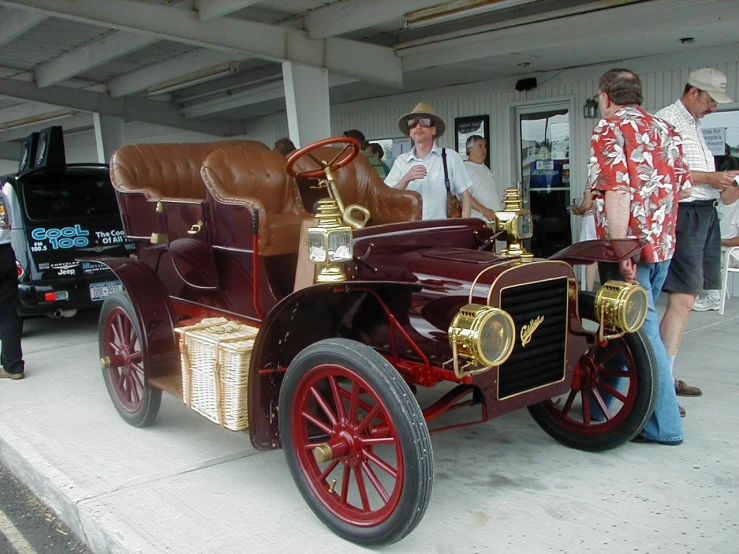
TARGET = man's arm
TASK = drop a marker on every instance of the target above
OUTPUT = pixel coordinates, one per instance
(466, 204)
(487, 212)
(715, 179)
(730, 242)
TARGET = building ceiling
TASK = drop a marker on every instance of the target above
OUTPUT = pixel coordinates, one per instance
(214, 65)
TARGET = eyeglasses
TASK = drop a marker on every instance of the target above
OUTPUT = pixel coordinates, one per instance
(422, 121)
(711, 102)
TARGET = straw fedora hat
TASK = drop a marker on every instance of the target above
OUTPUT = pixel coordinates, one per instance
(422, 109)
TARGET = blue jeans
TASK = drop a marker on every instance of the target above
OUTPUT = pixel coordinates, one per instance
(665, 423)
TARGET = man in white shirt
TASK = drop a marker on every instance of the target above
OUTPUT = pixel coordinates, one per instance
(422, 169)
(483, 191)
(696, 264)
(728, 210)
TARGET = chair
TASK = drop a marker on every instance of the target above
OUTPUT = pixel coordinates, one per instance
(256, 179)
(359, 183)
(727, 255)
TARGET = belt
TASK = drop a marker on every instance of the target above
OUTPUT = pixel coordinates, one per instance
(700, 204)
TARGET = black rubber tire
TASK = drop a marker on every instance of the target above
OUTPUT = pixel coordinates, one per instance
(151, 398)
(406, 416)
(641, 410)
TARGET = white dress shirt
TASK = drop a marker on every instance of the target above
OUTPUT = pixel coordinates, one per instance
(696, 153)
(483, 188)
(432, 187)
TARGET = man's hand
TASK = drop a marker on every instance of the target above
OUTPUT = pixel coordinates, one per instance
(627, 268)
(416, 172)
(722, 179)
(488, 213)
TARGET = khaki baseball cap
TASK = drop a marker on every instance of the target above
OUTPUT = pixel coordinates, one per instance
(711, 81)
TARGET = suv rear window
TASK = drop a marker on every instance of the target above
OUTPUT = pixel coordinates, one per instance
(72, 194)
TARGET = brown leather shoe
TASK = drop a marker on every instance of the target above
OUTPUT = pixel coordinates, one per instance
(682, 410)
(14, 376)
(683, 389)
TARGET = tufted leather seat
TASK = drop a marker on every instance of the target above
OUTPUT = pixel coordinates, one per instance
(256, 178)
(359, 183)
(166, 170)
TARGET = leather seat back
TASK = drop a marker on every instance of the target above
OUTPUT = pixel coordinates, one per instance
(359, 183)
(166, 170)
(243, 172)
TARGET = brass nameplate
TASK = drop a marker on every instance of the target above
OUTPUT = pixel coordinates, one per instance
(527, 331)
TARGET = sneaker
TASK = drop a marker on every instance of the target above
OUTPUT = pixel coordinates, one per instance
(14, 376)
(706, 305)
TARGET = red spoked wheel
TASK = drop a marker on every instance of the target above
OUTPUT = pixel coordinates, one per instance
(356, 442)
(612, 394)
(122, 359)
(345, 155)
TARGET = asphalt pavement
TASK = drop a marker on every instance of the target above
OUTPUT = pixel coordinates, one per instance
(185, 486)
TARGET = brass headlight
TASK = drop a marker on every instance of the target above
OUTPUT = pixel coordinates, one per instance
(483, 334)
(621, 306)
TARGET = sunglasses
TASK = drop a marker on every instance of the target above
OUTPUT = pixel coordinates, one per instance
(711, 101)
(422, 121)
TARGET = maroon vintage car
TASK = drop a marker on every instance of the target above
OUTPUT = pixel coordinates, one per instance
(353, 308)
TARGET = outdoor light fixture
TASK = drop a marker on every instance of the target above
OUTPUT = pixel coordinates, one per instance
(590, 108)
(196, 78)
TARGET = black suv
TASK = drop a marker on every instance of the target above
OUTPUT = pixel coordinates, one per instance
(62, 215)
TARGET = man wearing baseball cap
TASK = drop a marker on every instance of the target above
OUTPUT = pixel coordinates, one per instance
(696, 264)
(422, 169)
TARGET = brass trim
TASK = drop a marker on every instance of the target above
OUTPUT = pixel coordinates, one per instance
(159, 238)
(566, 331)
(323, 453)
(196, 228)
(527, 331)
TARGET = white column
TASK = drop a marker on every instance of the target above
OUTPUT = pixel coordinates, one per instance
(306, 97)
(109, 135)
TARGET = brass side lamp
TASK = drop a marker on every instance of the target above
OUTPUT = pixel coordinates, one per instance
(515, 222)
(330, 244)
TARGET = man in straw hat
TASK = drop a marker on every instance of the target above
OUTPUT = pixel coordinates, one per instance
(696, 265)
(422, 169)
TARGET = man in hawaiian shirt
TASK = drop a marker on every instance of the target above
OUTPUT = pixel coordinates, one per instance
(696, 265)
(637, 175)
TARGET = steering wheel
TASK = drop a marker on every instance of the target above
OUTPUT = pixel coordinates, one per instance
(346, 155)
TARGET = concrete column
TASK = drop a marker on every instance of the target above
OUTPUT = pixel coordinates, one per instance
(306, 97)
(109, 135)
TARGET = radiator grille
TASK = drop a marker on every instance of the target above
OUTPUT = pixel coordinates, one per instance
(541, 361)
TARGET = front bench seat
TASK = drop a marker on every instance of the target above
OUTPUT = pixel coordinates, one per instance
(256, 178)
(359, 183)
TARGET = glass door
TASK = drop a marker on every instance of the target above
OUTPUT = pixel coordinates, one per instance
(543, 136)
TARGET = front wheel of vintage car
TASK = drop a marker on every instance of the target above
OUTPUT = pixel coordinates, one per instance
(121, 355)
(612, 395)
(356, 442)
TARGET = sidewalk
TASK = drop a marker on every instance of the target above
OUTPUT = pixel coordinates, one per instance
(185, 486)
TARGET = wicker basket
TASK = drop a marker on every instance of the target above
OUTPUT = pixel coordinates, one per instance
(215, 356)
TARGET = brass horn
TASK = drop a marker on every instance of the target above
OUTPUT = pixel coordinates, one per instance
(346, 212)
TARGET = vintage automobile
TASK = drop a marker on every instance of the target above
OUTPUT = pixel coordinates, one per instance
(354, 309)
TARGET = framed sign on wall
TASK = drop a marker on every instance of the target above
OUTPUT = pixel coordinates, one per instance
(465, 127)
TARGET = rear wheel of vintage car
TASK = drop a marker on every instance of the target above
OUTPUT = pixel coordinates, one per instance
(356, 442)
(612, 395)
(121, 353)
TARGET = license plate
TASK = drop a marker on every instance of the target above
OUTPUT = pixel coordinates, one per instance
(98, 291)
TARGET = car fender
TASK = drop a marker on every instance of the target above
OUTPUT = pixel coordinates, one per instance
(304, 317)
(154, 312)
(590, 251)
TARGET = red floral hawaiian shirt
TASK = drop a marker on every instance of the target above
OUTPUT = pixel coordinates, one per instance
(641, 154)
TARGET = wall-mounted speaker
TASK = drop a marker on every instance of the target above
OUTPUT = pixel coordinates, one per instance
(28, 152)
(526, 84)
(50, 149)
